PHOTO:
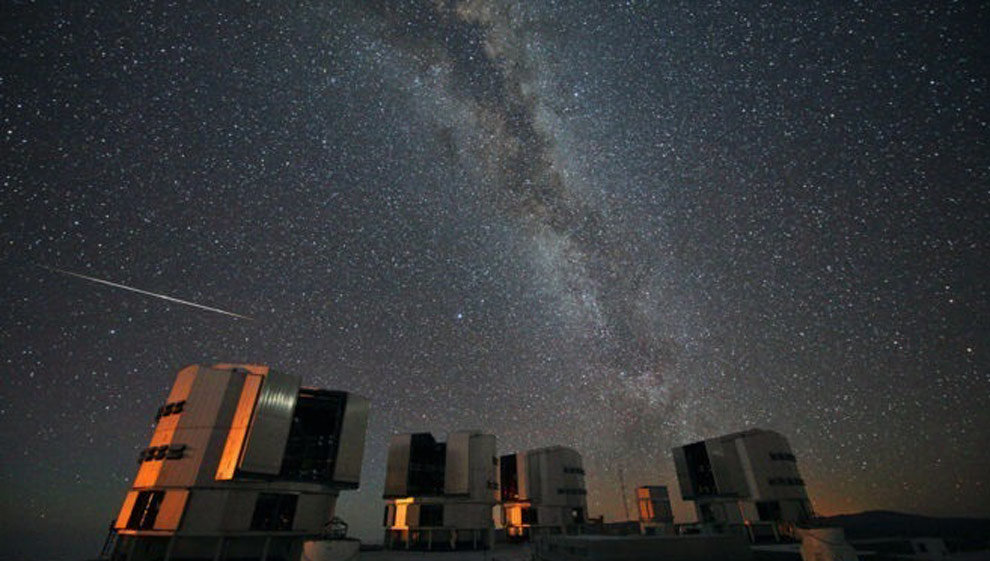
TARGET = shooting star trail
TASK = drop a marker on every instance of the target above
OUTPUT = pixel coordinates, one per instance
(145, 292)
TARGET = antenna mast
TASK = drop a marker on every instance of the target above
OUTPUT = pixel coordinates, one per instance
(622, 484)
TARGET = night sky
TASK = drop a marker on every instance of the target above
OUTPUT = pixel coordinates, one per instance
(618, 229)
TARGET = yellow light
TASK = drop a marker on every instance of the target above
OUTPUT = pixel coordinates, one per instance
(400, 513)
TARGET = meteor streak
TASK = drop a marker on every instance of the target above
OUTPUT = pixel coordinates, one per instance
(145, 292)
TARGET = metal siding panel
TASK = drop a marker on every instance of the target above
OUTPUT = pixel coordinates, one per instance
(550, 471)
(238, 509)
(184, 380)
(397, 467)
(756, 490)
(202, 507)
(683, 476)
(721, 467)
(239, 425)
(550, 478)
(147, 474)
(125, 510)
(460, 515)
(170, 513)
(196, 425)
(312, 513)
(350, 452)
(412, 515)
(270, 424)
(204, 399)
(570, 458)
(522, 476)
(734, 469)
(482, 470)
(210, 456)
(774, 442)
(456, 464)
(534, 477)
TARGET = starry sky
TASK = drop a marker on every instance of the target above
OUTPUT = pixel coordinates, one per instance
(616, 227)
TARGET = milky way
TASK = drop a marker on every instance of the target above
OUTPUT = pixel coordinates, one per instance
(614, 229)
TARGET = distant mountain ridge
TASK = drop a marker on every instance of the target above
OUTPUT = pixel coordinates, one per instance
(885, 523)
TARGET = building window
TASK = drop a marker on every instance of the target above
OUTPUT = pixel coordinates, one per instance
(427, 461)
(274, 511)
(281, 549)
(529, 516)
(508, 473)
(707, 514)
(164, 452)
(187, 548)
(782, 457)
(786, 481)
(431, 515)
(574, 470)
(311, 447)
(175, 451)
(700, 470)
(571, 491)
(170, 409)
(241, 548)
(768, 510)
(145, 510)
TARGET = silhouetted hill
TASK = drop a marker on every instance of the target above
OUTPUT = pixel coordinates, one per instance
(883, 523)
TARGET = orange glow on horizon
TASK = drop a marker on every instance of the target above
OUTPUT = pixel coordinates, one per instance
(832, 505)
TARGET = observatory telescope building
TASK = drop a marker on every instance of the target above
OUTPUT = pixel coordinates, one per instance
(746, 479)
(655, 514)
(440, 495)
(244, 463)
(542, 492)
